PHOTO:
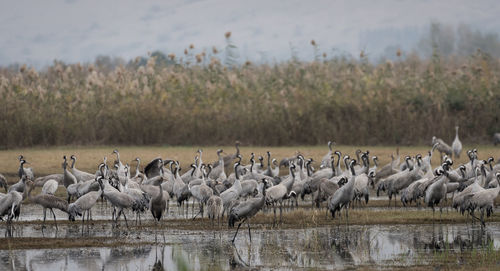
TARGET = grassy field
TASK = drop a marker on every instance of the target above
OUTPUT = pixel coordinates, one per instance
(48, 160)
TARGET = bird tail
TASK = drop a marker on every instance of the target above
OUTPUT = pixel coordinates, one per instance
(232, 219)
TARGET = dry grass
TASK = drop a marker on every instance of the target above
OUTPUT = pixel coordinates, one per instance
(352, 99)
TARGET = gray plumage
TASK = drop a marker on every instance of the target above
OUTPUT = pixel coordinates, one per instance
(20, 186)
(120, 201)
(232, 193)
(326, 188)
(456, 146)
(84, 203)
(214, 208)
(24, 170)
(496, 138)
(80, 176)
(245, 210)
(218, 171)
(248, 188)
(3, 182)
(436, 192)
(228, 159)
(326, 160)
(484, 200)
(158, 203)
(442, 147)
(343, 196)
(40, 181)
(10, 205)
(48, 202)
(50, 187)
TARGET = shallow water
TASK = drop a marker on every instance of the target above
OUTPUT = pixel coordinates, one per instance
(338, 247)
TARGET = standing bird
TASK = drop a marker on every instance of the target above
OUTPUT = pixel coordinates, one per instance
(496, 139)
(326, 161)
(214, 208)
(85, 203)
(233, 193)
(485, 200)
(10, 205)
(218, 171)
(81, 176)
(228, 159)
(3, 182)
(456, 145)
(47, 202)
(277, 193)
(119, 200)
(247, 209)
(436, 192)
(50, 187)
(158, 203)
(25, 171)
(343, 196)
(69, 180)
(442, 147)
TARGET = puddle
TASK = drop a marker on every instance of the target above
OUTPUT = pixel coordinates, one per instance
(338, 247)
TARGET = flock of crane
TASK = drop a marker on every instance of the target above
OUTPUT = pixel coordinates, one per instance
(340, 181)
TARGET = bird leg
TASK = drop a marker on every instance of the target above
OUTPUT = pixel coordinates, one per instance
(482, 218)
(83, 217)
(239, 225)
(44, 217)
(249, 234)
(274, 210)
(124, 216)
(281, 212)
(55, 221)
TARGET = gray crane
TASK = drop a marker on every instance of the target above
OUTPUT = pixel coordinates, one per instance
(276, 194)
(456, 146)
(201, 192)
(496, 138)
(326, 160)
(69, 180)
(153, 168)
(3, 182)
(40, 181)
(80, 176)
(442, 147)
(233, 193)
(246, 210)
(344, 195)
(436, 192)
(484, 200)
(20, 186)
(228, 159)
(180, 189)
(214, 208)
(47, 202)
(25, 171)
(50, 187)
(10, 205)
(461, 199)
(119, 200)
(269, 171)
(158, 203)
(85, 203)
(218, 171)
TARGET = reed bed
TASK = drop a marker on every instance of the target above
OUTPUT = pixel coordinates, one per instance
(204, 102)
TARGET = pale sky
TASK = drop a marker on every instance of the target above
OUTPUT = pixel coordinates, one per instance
(37, 32)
